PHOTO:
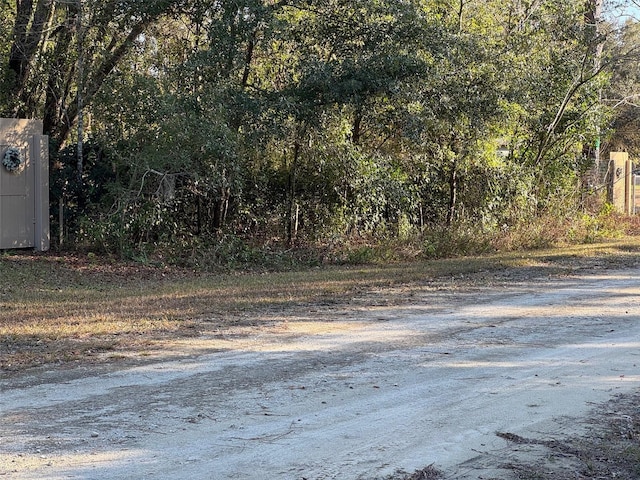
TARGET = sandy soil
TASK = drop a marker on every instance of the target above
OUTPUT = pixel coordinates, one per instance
(452, 378)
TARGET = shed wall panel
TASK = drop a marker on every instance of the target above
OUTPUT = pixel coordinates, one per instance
(18, 190)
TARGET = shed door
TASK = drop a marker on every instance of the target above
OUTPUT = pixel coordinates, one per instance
(17, 204)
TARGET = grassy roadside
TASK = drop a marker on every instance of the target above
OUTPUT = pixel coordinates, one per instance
(69, 308)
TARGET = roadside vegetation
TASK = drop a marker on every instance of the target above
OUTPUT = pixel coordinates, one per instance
(61, 308)
(221, 132)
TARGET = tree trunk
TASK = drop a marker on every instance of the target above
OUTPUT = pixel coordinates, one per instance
(453, 193)
(29, 31)
(356, 129)
(291, 204)
(221, 208)
(80, 100)
(59, 77)
(248, 59)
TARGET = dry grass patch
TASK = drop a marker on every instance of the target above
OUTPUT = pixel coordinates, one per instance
(66, 308)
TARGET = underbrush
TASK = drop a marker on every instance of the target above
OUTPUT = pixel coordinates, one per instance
(466, 239)
(231, 252)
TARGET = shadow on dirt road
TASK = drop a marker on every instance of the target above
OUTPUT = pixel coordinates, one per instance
(510, 377)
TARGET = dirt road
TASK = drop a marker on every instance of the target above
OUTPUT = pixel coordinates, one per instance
(354, 393)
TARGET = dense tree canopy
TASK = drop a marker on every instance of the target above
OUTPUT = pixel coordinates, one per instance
(308, 120)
